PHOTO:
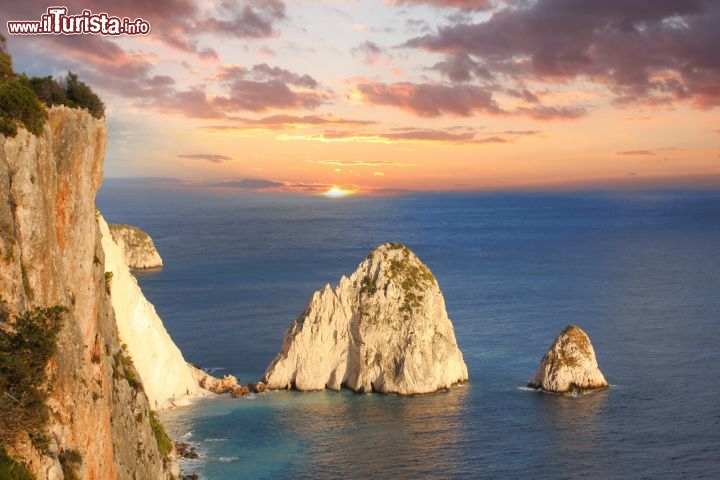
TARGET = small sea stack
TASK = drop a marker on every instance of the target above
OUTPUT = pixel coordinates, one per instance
(383, 329)
(569, 366)
(137, 246)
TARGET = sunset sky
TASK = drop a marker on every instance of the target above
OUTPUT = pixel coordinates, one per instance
(392, 95)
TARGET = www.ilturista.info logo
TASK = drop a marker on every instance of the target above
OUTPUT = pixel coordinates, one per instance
(57, 22)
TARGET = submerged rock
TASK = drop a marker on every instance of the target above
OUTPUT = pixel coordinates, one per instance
(137, 246)
(384, 329)
(569, 365)
(185, 450)
(239, 391)
(256, 387)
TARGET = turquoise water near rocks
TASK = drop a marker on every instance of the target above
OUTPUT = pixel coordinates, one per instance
(640, 272)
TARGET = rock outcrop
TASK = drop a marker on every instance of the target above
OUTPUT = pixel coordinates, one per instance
(166, 377)
(51, 254)
(384, 329)
(137, 246)
(569, 366)
(226, 384)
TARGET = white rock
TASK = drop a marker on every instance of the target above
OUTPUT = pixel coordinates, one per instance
(166, 378)
(383, 329)
(137, 246)
(569, 365)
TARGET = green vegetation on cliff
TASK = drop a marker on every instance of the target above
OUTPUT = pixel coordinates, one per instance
(165, 445)
(23, 99)
(413, 276)
(124, 367)
(12, 470)
(27, 342)
(69, 91)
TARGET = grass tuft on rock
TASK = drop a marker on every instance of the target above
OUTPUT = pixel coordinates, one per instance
(165, 445)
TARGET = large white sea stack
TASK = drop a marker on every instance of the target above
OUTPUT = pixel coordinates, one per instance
(570, 365)
(384, 329)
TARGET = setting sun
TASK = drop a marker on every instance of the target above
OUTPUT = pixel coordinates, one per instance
(336, 192)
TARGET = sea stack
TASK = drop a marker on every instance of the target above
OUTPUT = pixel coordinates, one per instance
(384, 329)
(569, 366)
(137, 246)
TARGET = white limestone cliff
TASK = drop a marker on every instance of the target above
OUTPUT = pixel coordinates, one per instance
(166, 377)
(569, 366)
(137, 246)
(384, 329)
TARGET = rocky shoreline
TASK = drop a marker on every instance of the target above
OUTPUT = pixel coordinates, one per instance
(226, 384)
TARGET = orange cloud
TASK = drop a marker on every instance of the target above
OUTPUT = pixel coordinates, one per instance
(287, 121)
(453, 136)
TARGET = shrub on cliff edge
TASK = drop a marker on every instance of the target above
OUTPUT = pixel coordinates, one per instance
(82, 96)
(6, 70)
(19, 105)
(22, 98)
(68, 91)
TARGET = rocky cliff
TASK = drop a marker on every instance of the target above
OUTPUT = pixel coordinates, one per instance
(51, 254)
(166, 377)
(384, 329)
(136, 245)
(569, 366)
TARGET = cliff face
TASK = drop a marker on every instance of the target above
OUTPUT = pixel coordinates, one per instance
(383, 329)
(569, 365)
(165, 375)
(137, 246)
(51, 254)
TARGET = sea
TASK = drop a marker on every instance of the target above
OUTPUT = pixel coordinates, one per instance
(638, 271)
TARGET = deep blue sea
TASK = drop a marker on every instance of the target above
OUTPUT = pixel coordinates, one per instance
(639, 272)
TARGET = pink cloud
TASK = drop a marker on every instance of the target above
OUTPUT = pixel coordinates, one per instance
(459, 99)
(464, 4)
(630, 47)
(430, 99)
(543, 112)
(264, 87)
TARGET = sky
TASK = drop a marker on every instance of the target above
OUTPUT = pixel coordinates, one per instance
(387, 96)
